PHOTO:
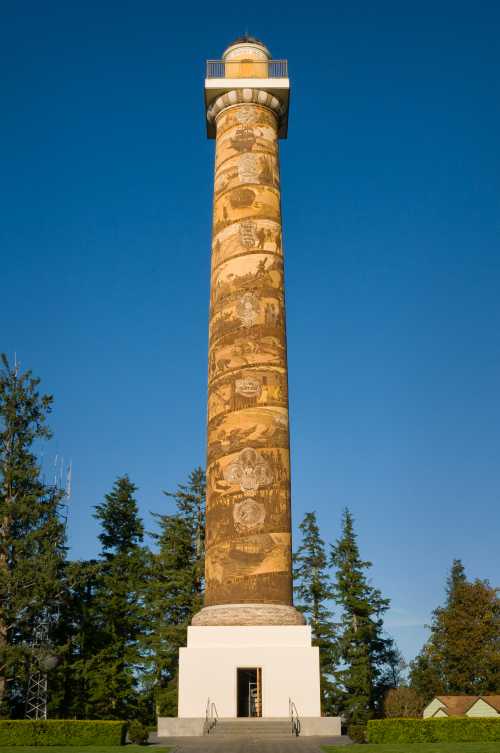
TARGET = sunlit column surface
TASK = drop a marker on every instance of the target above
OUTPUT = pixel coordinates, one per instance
(248, 526)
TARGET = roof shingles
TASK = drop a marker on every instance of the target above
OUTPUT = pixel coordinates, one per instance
(459, 705)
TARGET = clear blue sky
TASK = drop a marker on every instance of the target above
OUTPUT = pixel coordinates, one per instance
(391, 189)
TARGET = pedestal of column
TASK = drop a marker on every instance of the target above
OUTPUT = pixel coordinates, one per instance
(289, 668)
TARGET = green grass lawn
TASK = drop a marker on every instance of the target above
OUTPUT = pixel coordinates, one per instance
(83, 749)
(418, 748)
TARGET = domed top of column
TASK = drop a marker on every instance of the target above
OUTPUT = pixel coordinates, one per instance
(246, 48)
(247, 73)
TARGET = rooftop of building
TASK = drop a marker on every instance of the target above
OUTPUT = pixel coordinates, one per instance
(458, 705)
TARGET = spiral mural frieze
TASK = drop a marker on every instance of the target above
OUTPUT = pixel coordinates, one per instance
(248, 545)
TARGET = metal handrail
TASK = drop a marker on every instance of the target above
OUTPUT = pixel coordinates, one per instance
(207, 712)
(274, 68)
(294, 718)
(211, 716)
(213, 710)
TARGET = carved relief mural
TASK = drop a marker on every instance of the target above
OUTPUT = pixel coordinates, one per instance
(248, 558)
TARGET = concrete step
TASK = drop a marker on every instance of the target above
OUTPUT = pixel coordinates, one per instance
(252, 728)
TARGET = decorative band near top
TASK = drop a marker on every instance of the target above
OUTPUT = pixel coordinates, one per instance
(244, 96)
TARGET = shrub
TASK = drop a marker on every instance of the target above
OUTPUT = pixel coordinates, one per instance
(453, 730)
(402, 703)
(357, 732)
(138, 732)
(61, 732)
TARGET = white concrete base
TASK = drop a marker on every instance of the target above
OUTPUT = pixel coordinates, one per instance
(324, 726)
(170, 726)
(290, 669)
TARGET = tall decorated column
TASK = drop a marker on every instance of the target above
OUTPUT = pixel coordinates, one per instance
(249, 651)
(248, 523)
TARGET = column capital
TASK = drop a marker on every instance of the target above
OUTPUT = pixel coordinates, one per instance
(247, 96)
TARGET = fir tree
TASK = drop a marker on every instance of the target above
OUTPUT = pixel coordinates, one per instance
(81, 635)
(395, 672)
(190, 501)
(32, 549)
(462, 654)
(365, 653)
(112, 673)
(425, 674)
(456, 578)
(314, 590)
(175, 586)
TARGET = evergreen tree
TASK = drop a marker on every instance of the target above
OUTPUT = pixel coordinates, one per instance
(314, 589)
(394, 675)
(175, 587)
(190, 500)
(456, 578)
(365, 653)
(425, 675)
(81, 635)
(32, 549)
(112, 673)
(462, 654)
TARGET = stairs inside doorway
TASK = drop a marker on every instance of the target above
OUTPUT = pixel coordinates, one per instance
(252, 727)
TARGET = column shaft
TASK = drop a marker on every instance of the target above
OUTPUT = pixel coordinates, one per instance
(248, 543)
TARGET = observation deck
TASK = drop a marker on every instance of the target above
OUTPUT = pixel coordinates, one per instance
(264, 74)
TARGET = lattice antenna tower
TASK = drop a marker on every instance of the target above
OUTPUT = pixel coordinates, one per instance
(42, 661)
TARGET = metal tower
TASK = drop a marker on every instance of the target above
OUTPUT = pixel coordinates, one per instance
(42, 658)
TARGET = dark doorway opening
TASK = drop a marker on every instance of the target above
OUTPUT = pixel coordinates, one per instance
(249, 691)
